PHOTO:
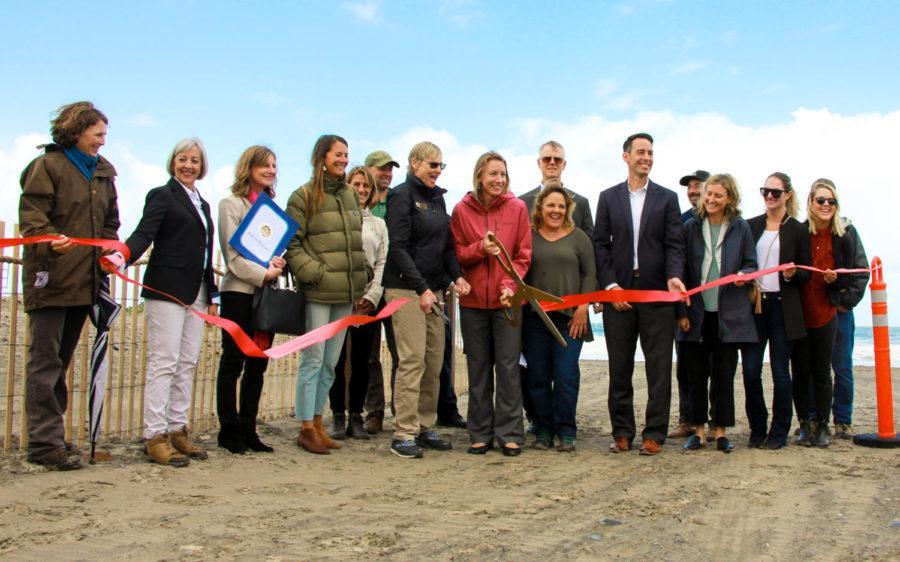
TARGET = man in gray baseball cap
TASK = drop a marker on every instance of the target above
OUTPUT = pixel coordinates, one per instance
(381, 166)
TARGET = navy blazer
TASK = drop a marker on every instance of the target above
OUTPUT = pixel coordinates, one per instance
(793, 247)
(736, 324)
(172, 224)
(660, 243)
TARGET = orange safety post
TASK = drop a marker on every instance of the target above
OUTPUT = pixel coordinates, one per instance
(886, 436)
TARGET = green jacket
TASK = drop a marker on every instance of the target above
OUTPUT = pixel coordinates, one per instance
(326, 255)
(57, 199)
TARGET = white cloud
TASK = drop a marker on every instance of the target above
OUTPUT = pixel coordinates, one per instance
(688, 67)
(142, 120)
(365, 12)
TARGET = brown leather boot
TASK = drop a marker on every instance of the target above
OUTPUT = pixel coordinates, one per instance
(323, 435)
(181, 441)
(309, 440)
(160, 451)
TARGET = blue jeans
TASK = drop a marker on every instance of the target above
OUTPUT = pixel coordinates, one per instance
(771, 331)
(316, 373)
(842, 363)
(553, 374)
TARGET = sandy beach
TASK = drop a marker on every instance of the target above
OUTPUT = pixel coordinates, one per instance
(362, 502)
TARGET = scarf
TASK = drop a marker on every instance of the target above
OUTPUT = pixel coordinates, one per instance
(87, 165)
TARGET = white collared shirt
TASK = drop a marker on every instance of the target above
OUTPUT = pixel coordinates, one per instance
(637, 198)
(194, 196)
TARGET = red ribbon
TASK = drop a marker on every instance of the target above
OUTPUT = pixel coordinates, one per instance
(646, 296)
(243, 341)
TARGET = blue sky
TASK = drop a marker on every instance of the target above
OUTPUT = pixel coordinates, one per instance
(745, 87)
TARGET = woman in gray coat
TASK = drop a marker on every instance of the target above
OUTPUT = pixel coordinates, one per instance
(718, 242)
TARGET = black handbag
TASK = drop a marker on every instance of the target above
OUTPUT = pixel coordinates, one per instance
(282, 311)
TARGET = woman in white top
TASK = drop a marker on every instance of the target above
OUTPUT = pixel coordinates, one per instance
(375, 246)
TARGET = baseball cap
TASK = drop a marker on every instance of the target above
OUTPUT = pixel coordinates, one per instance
(380, 158)
(701, 175)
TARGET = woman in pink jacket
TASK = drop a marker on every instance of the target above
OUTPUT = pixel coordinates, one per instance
(492, 343)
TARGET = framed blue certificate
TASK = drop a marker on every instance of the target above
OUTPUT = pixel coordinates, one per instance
(264, 232)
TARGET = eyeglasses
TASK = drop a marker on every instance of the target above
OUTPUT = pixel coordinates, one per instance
(775, 193)
(822, 200)
(552, 159)
(436, 165)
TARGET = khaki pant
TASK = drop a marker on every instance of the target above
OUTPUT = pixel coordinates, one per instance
(420, 347)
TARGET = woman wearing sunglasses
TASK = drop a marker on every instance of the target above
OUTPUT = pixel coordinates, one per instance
(493, 362)
(779, 238)
(718, 243)
(421, 260)
(832, 245)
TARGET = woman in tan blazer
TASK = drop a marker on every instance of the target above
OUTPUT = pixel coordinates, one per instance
(256, 172)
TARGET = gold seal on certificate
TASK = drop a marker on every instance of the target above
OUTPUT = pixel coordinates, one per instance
(265, 231)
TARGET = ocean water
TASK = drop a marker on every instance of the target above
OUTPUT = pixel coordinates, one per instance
(863, 345)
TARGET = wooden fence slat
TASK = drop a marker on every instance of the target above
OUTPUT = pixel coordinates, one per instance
(11, 359)
(132, 372)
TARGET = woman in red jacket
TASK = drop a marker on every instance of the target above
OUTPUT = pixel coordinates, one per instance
(492, 342)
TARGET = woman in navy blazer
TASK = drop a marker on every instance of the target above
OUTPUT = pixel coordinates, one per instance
(178, 223)
(718, 242)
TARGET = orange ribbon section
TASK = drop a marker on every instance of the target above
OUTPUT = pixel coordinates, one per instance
(243, 341)
(647, 296)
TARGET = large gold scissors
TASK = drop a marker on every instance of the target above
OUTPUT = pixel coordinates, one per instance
(525, 292)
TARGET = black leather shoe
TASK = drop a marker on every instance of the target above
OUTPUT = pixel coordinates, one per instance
(724, 445)
(771, 444)
(430, 440)
(480, 450)
(511, 451)
(230, 438)
(756, 441)
(455, 420)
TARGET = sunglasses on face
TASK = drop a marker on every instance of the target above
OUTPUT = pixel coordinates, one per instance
(822, 200)
(436, 165)
(552, 159)
(775, 193)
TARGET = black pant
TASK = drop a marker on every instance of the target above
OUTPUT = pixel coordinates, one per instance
(375, 395)
(54, 334)
(684, 385)
(812, 362)
(711, 362)
(446, 407)
(238, 307)
(653, 325)
(359, 339)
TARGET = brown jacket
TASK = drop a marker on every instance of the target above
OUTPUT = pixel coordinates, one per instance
(57, 199)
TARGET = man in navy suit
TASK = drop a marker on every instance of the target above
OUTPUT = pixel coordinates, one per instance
(638, 244)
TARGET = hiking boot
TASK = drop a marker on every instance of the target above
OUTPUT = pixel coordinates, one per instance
(804, 434)
(566, 444)
(251, 439)
(843, 431)
(430, 440)
(310, 440)
(181, 442)
(374, 424)
(57, 459)
(160, 451)
(339, 427)
(356, 429)
(543, 441)
(820, 439)
(406, 448)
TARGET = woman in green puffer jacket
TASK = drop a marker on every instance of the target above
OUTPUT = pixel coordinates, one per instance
(326, 258)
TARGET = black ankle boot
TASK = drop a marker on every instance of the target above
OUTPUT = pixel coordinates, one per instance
(805, 436)
(356, 429)
(230, 439)
(820, 439)
(251, 438)
(339, 427)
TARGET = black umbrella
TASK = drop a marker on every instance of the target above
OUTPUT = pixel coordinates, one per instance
(103, 314)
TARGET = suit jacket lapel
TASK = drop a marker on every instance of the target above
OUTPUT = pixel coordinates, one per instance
(625, 202)
(183, 198)
(649, 200)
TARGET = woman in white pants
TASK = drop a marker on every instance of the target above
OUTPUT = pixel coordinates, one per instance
(178, 223)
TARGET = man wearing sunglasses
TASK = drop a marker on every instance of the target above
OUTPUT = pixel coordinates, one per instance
(639, 244)
(552, 161)
(694, 184)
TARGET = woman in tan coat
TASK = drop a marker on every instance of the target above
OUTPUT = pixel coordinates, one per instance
(67, 191)
(255, 173)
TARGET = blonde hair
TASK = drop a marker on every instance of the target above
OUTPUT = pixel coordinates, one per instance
(362, 170)
(537, 220)
(727, 181)
(480, 165)
(421, 152)
(253, 157)
(836, 226)
(183, 146)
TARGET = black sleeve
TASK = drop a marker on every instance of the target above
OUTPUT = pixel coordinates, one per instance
(858, 281)
(585, 222)
(674, 241)
(155, 209)
(802, 253)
